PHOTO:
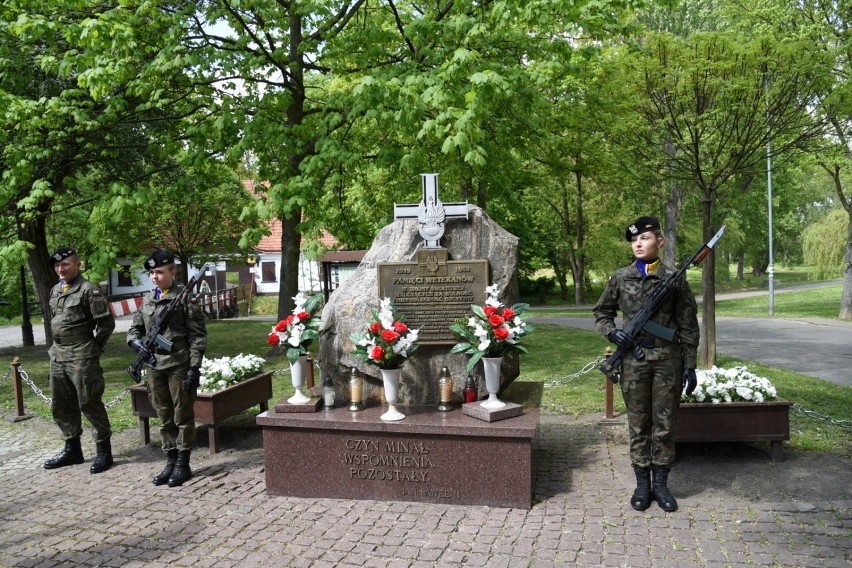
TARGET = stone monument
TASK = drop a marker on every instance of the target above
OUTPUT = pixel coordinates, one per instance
(434, 261)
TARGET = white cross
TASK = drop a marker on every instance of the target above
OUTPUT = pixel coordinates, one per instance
(430, 199)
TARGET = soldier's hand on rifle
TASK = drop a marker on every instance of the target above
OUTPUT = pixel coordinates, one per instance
(689, 381)
(140, 349)
(621, 339)
(192, 380)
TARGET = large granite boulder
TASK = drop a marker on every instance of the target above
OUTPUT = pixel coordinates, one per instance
(348, 309)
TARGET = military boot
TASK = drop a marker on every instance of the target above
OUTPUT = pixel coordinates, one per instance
(661, 490)
(71, 455)
(641, 499)
(163, 477)
(181, 472)
(103, 459)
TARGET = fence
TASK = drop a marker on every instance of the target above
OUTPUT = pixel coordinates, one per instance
(225, 303)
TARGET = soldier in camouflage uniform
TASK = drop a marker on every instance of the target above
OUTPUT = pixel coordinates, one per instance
(81, 325)
(173, 382)
(651, 387)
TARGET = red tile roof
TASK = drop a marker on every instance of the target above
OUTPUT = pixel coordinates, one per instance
(271, 243)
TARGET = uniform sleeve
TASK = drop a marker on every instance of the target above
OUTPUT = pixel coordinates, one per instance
(197, 333)
(137, 328)
(104, 320)
(606, 309)
(686, 318)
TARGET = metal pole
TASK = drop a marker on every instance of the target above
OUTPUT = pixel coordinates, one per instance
(771, 269)
(216, 280)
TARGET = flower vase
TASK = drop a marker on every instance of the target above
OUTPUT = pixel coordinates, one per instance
(491, 366)
(390, 381)
(298, 372)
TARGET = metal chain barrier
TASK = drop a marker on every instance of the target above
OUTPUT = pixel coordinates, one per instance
(589, 367)
(847, 424)
(118, 398)
(26, 378)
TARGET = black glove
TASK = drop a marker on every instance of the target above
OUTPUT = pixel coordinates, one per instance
(621, 339)
(140, 349)
(192, 380)
(689, 381)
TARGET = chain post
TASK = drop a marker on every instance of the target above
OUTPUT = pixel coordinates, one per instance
(610, 411)
(20, 415)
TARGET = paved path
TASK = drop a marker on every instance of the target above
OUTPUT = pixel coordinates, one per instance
(737, 509)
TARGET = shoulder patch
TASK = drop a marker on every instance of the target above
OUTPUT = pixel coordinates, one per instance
(100, 307)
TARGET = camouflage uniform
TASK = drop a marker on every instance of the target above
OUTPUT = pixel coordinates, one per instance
(187, 330)
(81, 325)
(651, 388)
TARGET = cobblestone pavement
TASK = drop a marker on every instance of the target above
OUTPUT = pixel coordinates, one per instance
(737, 508)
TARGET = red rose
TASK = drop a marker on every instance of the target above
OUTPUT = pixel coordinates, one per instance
(303, 316)
(281, 325)
(273, 339)
(489, 310)
(399, 327)
(508, 314)
(375, 327)
(389, 335)
(501, 333)
(495, 320)
(376, 353)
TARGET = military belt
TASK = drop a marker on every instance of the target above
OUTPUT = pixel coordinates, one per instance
(72, 338)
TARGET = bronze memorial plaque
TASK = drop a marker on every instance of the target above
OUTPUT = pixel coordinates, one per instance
(434, 292)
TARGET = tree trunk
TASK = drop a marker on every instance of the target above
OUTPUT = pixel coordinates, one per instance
(44, 277)
(707, 343)
(291, 240)
(740, 266)
(674, 204)
(578, 266)
(846, 296)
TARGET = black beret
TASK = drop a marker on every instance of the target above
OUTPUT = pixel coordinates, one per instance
(61, 254)
(159, 258)
(641, 225)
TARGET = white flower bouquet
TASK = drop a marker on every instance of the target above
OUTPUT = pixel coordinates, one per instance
(730, 385)
(493, 330)
(217, 374)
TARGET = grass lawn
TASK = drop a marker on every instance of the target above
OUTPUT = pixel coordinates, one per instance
(784, 277)
(556, 355)
(817, 303)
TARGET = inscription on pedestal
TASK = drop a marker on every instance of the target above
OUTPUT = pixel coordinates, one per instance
(434, 292)
(408, 464)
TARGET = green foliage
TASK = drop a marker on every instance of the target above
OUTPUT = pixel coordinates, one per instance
(825, 244)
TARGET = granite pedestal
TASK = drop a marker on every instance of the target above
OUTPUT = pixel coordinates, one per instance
(431, 456)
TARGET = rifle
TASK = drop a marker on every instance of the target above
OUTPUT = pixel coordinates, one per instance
(154, 338)
(642, 322)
